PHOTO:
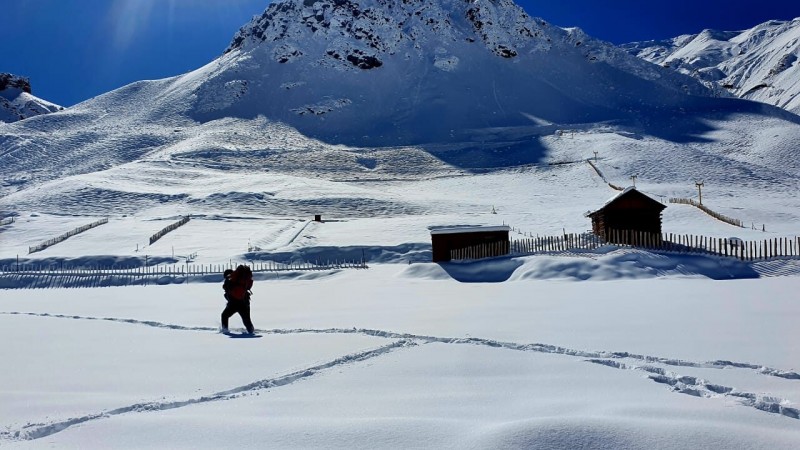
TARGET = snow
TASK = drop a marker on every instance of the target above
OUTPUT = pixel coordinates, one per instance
(757, 64)
(622, 348)
(610, 348)
(467, 229)
(387, 358)
(18, 105)
(617, 348)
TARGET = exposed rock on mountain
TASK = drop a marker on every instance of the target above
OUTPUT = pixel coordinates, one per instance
(17, 102)
(9, 81)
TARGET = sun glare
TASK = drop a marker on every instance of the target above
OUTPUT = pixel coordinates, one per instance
(128, 18)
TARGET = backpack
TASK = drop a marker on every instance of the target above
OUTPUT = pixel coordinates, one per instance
(238, 284)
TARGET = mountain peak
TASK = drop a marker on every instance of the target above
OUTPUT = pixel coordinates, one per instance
(372, 72)
(358, 32)
(760, 63)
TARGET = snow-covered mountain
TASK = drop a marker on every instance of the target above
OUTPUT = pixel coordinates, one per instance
(378, 72)
(380, 89)
(17, 102)
(757, 64)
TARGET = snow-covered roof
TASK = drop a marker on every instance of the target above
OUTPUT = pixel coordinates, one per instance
(468, 229)
(620, 194)
(624, 192)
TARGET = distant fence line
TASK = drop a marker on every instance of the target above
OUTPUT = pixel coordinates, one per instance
(65, 236)
(718, 216)
(6, 220)
(166, 230)
(600, 174)
(728, 247)
(683, 244)
(174, 269)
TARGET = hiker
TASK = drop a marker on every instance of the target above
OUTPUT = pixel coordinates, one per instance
(237, 286)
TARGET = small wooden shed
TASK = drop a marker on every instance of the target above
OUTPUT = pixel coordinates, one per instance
(630, 210)
(445, 239)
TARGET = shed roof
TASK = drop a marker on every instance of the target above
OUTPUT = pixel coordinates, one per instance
(630, 190)
(468, 229)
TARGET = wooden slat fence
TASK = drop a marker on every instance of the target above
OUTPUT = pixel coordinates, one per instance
(752, 250)
(667, 242)
(561, 243)
(176, 269)
(166, 230)
(488, 250)
(65, 236)
(531, 245)
(716, 215)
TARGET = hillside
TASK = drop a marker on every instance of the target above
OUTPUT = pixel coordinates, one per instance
(297, 117)
(756, 64)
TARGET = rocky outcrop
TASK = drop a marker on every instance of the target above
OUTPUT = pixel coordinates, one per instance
(17, 102)
(9, 81)
(373, 29)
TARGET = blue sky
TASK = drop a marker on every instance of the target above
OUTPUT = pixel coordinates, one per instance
(73, 50)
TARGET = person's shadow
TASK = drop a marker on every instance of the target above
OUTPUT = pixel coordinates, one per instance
(242, 335)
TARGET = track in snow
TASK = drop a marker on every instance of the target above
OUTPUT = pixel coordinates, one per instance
(39, 431)
(620, 360)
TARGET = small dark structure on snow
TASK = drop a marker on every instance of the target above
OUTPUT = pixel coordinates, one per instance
(492, 240)
(629, 212)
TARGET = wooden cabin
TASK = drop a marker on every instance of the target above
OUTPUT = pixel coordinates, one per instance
(630, 211)
(446, 239)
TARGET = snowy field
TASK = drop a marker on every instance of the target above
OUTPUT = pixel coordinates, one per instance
(616, 348)
(403, 356)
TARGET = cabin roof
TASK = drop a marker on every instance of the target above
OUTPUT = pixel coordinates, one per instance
(630, 190)
(467, 229)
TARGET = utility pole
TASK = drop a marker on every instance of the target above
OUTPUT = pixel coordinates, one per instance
(595, 156)
(699, 190)
(633, 178)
